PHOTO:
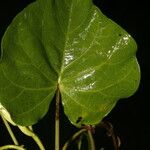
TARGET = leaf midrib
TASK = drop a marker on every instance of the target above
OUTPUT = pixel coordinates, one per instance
(65, 45)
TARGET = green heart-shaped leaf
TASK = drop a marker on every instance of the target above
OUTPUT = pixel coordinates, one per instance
(70, 45)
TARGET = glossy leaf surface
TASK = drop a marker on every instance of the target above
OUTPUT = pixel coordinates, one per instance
(70, 45)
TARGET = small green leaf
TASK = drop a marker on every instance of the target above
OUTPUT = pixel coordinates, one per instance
(70, 45)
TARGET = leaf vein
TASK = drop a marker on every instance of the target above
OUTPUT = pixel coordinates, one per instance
(34, 106)
(90, 46)
(37, 67)
(102, 89)
(78, 102)
(13, 83)
(18, 95)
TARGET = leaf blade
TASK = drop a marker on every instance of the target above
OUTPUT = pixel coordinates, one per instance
(70, 45)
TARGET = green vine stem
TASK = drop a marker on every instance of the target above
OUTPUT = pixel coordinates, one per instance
(79, 143)
(77, 134)
(57, 121)
(10, 131)
(90, 140)
(27, 131)
(11, 147)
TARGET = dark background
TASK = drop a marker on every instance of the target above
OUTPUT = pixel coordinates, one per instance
(130, 117)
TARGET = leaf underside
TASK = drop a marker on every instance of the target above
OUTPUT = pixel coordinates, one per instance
(70, 45)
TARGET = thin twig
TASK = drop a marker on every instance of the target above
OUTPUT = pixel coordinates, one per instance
(77, 134)
(10, 131)
(110, 132)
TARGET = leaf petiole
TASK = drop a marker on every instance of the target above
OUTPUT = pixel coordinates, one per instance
(11, 147)
(10, 131)
(27, 131)
(73, 138)
(57, 121)
(91, 140)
